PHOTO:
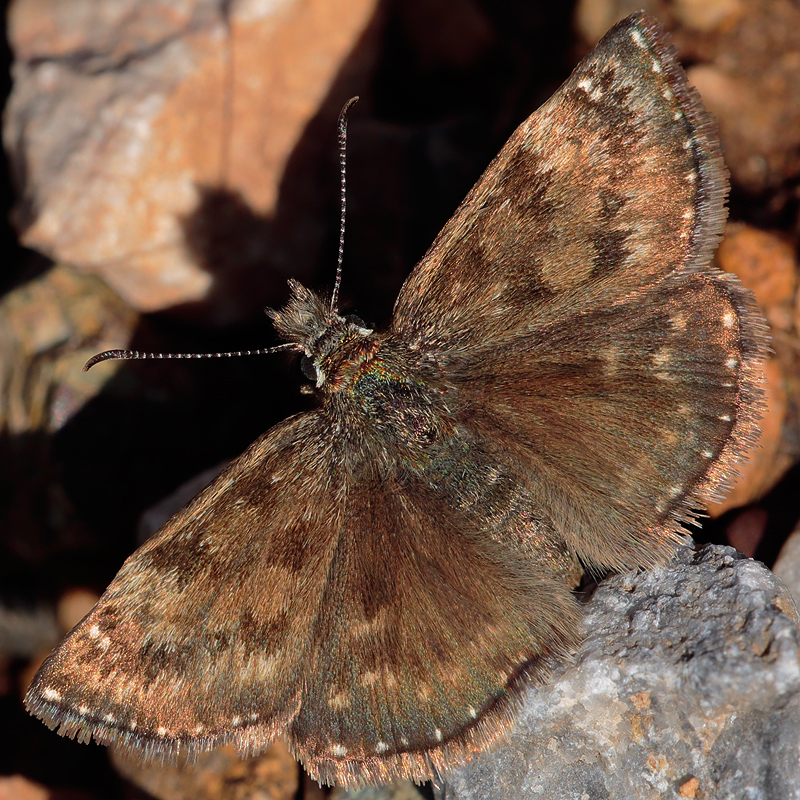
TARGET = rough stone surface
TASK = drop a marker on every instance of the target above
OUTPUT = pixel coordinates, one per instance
(688, 685)
(787, 565)
(49, 327)
(765, 262)
(400, 790)
(135, 126)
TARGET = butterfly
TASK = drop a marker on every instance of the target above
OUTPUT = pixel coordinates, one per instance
(566, 378)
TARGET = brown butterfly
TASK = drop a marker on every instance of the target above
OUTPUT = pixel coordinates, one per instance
(565, 378)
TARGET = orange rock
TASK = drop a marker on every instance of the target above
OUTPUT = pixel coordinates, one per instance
(18, 787)
(146, 109)
(707, 15)
(689, 788)
(73, 606)
(766, 463)
(764, 262)
(219, 775)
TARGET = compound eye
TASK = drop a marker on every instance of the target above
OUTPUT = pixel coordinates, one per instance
(307, 368)
(354, 320)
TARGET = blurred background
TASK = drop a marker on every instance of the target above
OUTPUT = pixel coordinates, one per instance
(169, 164)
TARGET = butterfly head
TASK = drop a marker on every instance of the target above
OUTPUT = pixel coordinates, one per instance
(323, 336)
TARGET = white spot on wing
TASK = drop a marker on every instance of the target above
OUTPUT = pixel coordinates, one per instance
(339, 700)
(51, 694)
(438, 734)
(338, 750)
(638, 39)
(595, 92)
(678, 320)
(728, 318)
(370, 678)
(472, 712)
(94, 632)
(161, 732)
(662, 358)
(381, 747)
(731, 363)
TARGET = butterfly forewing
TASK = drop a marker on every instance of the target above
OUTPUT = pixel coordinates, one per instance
(613, 184)
(350, 609)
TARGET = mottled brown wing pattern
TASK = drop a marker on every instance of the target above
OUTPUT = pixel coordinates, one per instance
(605, 350)
(613, 184)
(446, 614)
(627, 427)
(202, 636)
(352, 610)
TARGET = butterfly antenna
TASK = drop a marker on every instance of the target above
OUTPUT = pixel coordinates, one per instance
(342, 194)
(132, 355)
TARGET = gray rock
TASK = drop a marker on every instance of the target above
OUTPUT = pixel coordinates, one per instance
(688, 685)
(787, 565)
(399, 790)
